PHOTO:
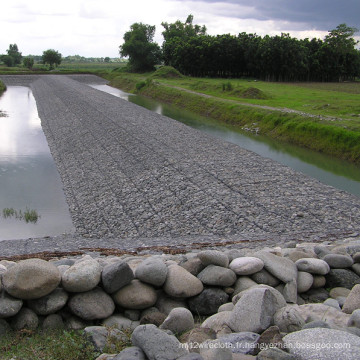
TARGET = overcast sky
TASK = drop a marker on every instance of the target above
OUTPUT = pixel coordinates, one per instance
(95, 28)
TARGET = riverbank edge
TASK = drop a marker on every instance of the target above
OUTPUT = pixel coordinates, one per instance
(2, 87)
(284, 126)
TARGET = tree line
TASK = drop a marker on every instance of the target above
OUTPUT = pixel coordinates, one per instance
(189, 49)
(14, 57)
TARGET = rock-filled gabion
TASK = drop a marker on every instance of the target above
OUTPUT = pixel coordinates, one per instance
(299, 302)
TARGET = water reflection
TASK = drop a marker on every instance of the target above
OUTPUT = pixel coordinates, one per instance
(340, 174)
(28, 174)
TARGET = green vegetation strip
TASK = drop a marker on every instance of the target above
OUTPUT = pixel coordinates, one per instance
(338, 137)
(29, 215)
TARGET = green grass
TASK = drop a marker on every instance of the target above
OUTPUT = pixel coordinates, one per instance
(336, 137)
(29, 215)
(54, 345)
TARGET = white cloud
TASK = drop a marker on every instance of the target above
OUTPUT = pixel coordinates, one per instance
(96, 28)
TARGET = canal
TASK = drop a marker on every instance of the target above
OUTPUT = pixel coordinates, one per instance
(329, 170)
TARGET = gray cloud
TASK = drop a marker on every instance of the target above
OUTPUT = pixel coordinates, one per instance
(311, 14)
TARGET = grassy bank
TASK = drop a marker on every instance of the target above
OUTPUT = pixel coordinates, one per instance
(2, 87)
(338, 136)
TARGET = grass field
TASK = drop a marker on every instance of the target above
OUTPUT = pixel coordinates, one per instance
(333, 126)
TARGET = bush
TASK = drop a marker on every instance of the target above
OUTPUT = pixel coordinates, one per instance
(8, 60)
(28, 62)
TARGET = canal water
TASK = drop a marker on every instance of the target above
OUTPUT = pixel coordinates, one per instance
(29, 179)
(331, 171)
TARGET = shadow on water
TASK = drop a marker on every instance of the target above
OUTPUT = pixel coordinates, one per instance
(331, 171)
(29, 179)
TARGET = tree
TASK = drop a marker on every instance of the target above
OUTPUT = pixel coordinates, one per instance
(52, 58)
(107, 59)
(13, 51)
(138, 45)
(28, 62)
(7, 60)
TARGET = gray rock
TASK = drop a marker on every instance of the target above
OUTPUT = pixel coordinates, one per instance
(297, 254)
(316, 295)
(339, 291)
(192, 356)
(75, 323)
(92, 305)
(341, 300)
(194, 337)
(181, 284)
(155, 318)
(101, 336)
(304, 281)
(133, 315)
(50, 303)
(270, 338)
(243, 283)
(4, 327)
(53, 321)
(208, 301)
(352, 301)
(218, 322)
(136, 295)
(120, 322)
(178, 321)
(353, 330)
(321, 251)
(333, 303)
(152, 271)
(246, 265)
(290, 291)
(213, 257)
(338, 261)
(9, 306)
(316, 324)
(254, 311)
(342, 278)
(31, 279)
(306, 344)
(165, 304)
(60, 262)
(156, 344)
(275, 354)
(131, 353)
(82, 276)
(356, 257)
(282, 268)
(316, 312)
(356, 268)
(354, 320)
(115, 276)
(226, 307)
(319, 281)
(288, 319)
(241, 342)
(193, 266)
(214, 350)
(264, 277)
(313, 266)
(25, 319)
(217, 276)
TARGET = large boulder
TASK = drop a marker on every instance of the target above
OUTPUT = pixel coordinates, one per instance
(246, 265)
(115, 276)
(282, 268)
(342, 278)
(82, 276)
(156, 344)
(31, 279)
(50, 303)
(178, 321)
(9, 306)
(92, 305)
(208, 301)
(181, 284)
(136, 295)
(217, 276)
(213, 257)
(352, 301)
(254, 311)
(152, 271)
(313, 266)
